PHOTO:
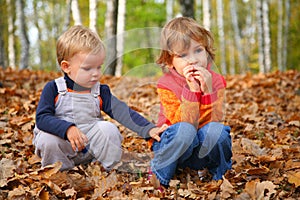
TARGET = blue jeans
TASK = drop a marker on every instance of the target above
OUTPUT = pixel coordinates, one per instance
(183, 146)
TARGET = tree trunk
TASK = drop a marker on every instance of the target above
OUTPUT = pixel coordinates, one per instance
(110, 39)
(93, 15)
(221, 35)
(187, 8)
(237, 37)
(267, 38)
(11, 37)
(38, 46)
(279, 35)
(76, 12)
(231, 57)
(23, 35)
(169, 9)
(206, 14)
(68, 15)
(120, 36)
(2, 50)
(260, 36)
(286, 33)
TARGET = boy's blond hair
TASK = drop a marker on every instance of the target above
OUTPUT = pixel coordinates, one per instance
(179, 32)
(77, 39)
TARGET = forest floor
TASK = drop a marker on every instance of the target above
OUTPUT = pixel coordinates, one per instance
(262, 110)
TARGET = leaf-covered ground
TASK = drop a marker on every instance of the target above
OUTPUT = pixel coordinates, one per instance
(263, 111)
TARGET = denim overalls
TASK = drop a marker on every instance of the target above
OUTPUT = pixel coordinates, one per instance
(83, 109)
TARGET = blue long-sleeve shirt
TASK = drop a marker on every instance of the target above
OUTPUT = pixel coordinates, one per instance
(112, 106)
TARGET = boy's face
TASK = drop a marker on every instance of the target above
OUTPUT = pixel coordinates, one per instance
(84, 68)
(195, 55)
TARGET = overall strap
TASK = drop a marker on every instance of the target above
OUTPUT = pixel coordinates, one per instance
(61, 85)
(95, 91)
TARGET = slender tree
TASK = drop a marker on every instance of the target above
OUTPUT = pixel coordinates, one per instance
(39, 35)
(187, 8)
(169, 9)
(24, 60)
(93, 14)
(68, 15)
(221, 35)
(110, 36)
(11, 37)
(266, 35)
(237, 36)
(206, 14)
(279, 35)
(286, 33)
(76, 12)
(120, 36)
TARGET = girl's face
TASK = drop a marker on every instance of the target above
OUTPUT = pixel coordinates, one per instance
(84, 68)
(195, 55)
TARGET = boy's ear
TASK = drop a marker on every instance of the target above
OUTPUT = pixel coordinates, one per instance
(65, 66)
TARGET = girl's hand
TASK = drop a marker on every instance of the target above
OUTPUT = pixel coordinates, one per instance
(200, 75)
(77, 139)
(192, 81)
(205, 79)
(155, 132)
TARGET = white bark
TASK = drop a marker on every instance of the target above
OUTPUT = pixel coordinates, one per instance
(169, 9)
(285, 35)
(24, 58)
(279, 35)
(39, 58)
(110, 37)
(206, 14)
(237, 37)
(231, 57)
(120, 36)
(221, 35)
(11, 40)
(93, 15)
(76, 12)
(267, 37)
(260, 36)
(68, 15)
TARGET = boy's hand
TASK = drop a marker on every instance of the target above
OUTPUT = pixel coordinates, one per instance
(77, 139)
(155, 132)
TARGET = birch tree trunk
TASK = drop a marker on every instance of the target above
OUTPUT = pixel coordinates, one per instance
(221, 35)
(267, 39)
(93, 15)
(38, 46)
(260, 36)
(237, 37)
(232, 57)
(76, 12)
(279, 35)
(206, 14)
(187, 8)
(11, 39)
(68, 15)
(2, 50)
(120, 36)
(23, 35)
(169, 9)
(110, 36)
(285, 35)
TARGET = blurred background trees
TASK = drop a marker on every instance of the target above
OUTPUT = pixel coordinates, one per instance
(255, 36)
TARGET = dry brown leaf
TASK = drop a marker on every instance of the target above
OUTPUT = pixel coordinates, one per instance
(227, 190)
(250, 188)
(294, 178)
(262, 187)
